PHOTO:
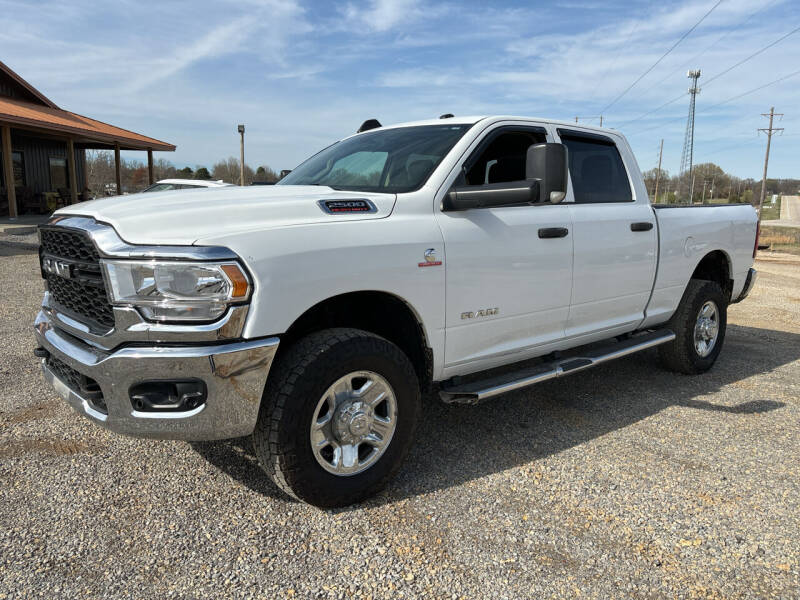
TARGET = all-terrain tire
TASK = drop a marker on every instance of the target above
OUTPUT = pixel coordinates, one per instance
(298, 381)
(681, 355)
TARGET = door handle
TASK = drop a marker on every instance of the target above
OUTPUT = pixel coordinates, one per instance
(553, 232)
(644, 226)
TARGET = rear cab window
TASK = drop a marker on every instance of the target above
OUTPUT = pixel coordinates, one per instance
(596, 170)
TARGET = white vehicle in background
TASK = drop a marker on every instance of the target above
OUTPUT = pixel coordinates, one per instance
(315, 313)
(165, 185)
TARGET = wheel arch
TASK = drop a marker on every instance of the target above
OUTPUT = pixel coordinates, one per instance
(378, 312)
(716, 266)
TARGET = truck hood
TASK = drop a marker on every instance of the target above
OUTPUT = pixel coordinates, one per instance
(184, 216)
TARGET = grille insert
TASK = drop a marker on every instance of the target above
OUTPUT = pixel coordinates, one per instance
(87, 387)
(68, 244)
(83, 293)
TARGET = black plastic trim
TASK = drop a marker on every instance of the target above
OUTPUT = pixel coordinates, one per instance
(553, 232)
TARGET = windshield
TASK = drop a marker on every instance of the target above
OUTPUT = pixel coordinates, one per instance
(387, 160)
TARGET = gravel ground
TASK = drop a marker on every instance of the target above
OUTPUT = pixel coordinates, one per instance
(620, 482)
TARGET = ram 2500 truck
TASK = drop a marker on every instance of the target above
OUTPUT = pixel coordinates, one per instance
(314, 314)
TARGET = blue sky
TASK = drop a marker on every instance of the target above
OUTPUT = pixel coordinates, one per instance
(302, 74)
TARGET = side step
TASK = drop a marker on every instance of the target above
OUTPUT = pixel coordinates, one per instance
(476, 391)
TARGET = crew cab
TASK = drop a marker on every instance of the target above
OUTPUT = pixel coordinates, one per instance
(315, 314)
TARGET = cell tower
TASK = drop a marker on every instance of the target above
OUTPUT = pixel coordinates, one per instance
(688, 141)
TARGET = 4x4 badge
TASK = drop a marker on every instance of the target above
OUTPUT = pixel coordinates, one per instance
(430, 259)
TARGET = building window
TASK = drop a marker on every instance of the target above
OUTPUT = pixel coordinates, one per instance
(58, 173)
(18, 166)
(18, 162)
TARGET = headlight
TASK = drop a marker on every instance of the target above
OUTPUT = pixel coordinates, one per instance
(176, 291)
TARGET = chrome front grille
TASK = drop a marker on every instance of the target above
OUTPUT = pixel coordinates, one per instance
(77, 287)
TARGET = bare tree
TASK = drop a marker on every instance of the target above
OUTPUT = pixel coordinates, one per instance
(228, 171)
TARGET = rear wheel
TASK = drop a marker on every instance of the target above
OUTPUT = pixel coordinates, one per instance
(337, 417)
(699, 325)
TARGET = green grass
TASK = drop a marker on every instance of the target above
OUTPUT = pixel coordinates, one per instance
(771, 212)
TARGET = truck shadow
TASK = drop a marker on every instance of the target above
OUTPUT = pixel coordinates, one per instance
(456, 444)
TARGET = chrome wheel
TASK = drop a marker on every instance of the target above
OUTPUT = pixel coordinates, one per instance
(353, 423)
(706, 329)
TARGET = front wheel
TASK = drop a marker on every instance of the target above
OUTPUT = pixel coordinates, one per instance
(699, 324)
(337, 416)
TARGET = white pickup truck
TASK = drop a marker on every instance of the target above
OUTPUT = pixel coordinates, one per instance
(314, 314)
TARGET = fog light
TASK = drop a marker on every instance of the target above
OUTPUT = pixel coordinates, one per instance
(168, 396)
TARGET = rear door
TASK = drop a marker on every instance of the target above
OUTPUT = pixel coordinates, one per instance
(614, 240)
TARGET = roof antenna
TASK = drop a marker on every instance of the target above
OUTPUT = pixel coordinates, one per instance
(369, 124)
(446, 116)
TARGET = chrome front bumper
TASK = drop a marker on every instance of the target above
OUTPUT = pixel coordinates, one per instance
(235, 374)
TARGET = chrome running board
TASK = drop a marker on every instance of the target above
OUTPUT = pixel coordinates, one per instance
(476, 391)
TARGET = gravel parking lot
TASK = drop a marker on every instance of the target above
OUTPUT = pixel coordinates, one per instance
(624, 481)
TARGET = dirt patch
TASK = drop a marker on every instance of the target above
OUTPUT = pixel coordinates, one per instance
(29, 413)
(50, 447)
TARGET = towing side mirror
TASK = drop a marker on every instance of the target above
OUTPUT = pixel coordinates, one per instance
(547, 164)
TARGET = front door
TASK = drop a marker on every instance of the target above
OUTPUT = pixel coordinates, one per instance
(508, 278)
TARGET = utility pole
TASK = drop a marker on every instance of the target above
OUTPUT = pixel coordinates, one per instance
(658, 173)
(600, 117)
(713, 179)
(241, 162)
(691, 191)
(703, 198)
(769, 131)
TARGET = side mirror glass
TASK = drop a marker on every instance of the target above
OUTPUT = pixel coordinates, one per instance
(547, 164)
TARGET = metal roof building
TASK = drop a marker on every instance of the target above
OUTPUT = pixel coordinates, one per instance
(43, 147)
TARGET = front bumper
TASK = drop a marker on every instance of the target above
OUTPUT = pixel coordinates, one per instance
(235, 374)
(749, 282)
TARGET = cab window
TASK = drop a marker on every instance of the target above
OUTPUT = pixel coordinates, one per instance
(596, 169)
(502, 156)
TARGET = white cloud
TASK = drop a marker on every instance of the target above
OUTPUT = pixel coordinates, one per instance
(383, 15)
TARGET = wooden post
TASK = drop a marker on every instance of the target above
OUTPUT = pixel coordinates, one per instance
(150, 166)
(73, 179)
(8, 172)
(116, 169)
(85, 174)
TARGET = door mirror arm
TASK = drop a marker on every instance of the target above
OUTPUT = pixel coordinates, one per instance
(512, 193)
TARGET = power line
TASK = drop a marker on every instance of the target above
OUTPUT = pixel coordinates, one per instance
(753, 90)
(753, 55)
(717, 76)
(663, 56)
(620, 49)
(715, 42)
(731, 99)
(650, 112)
